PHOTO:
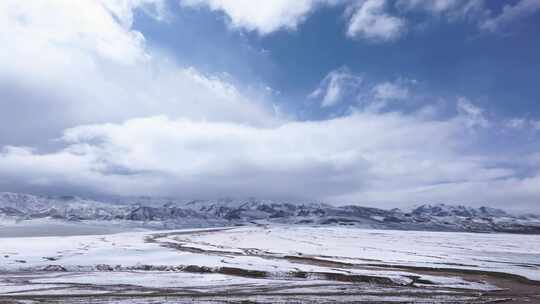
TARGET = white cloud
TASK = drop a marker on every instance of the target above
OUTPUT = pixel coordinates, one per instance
(262, 16)
(472, 115)
(474, 11)
(344, 86)
(390, 91)
(516, 123)
(42, 27)
(338, 85)
(511, 13)
(92, 75)
(367, 158)
(91, 67)
(164, 155)
(452, 9)
(435, 6)
(536, 124)
(123, 9)
(370, 21)
(522, 124)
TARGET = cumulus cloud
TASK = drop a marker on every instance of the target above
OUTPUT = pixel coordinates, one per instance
(101, 30)
(371, 21)
(368, 158)
(263, 16)
(131, 121)
(339, 84)
(178, 155)
(74, 68)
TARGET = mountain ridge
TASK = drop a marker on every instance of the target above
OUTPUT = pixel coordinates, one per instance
(171, 213)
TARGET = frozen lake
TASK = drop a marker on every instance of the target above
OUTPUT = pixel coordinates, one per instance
(46, 227)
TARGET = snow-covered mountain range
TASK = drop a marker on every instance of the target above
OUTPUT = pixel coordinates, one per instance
(171, 213)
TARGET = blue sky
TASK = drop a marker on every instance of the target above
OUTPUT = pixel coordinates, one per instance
(447, 57)
(373, 102)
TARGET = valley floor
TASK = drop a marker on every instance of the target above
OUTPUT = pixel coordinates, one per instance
(272, 264)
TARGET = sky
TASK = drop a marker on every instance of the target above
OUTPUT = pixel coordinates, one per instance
(384, 103)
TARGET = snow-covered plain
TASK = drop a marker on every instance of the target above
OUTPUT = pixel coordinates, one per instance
(266, 259)
(508, 253)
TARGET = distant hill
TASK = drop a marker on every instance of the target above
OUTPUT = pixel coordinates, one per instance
(170, 213)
